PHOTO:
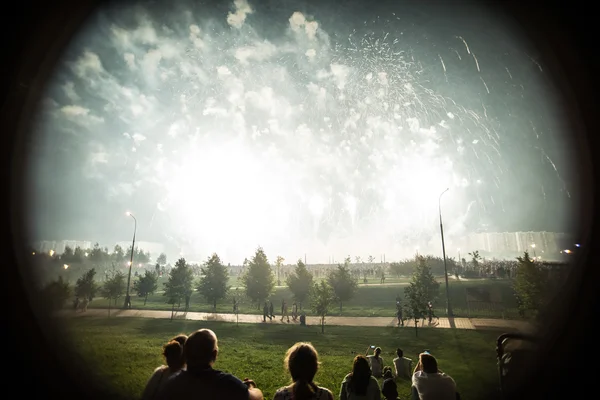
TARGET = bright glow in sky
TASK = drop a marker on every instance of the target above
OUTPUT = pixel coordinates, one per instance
(222, 132)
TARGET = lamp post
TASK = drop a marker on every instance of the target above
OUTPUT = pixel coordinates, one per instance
(448, 306)
(127, 298)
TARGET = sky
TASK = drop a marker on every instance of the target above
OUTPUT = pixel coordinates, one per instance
(325, 128)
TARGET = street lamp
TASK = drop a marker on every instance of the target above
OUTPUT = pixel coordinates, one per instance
(448, 306)
(533, 247)
(127, 298)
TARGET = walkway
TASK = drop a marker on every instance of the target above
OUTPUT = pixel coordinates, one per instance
(459, 323)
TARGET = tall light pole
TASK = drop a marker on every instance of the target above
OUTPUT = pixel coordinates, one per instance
(448, 306)
(127, 298)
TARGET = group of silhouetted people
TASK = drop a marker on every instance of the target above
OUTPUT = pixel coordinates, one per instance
(189, 372)
(268, 312)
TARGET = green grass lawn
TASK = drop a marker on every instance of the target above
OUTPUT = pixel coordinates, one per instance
(373, 301)
(125, 351)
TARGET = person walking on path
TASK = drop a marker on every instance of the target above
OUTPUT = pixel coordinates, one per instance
(429, 312)
(271, 310)
(284, 311)
(294, 311)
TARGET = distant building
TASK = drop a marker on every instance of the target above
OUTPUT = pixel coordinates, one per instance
(511, 244)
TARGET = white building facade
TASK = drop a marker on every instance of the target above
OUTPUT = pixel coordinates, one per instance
(509, 244)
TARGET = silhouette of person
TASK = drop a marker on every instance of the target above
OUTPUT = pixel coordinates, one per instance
(284, 311)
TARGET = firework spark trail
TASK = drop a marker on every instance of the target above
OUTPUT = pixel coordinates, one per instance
(537, 135)
(496, 149)
(553, 166)
(410, 86)
(543, 192)
(535, 62)
(486, 86)
(476, 62)
(465, 42)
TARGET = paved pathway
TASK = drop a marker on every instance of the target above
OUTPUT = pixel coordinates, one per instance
(458, 323)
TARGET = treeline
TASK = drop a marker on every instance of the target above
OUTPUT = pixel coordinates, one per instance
(210, 280)
(71, 264)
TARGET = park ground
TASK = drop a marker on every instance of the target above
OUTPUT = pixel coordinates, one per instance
(504, 325)
(123, 352)
(371, 300)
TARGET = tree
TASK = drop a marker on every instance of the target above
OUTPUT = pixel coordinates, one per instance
(300, 282)
(422, 289)
(343, 284)
(321, 297)
(113, 287)
(78, 255)
(146, 284)
(258, 280)
(402, 268)
(179, 284)
(162, 259)
(86, 287)
(139, 256)
(97, 254)
(118, 255)
(56, 294)
(213, 282)
(157, 269)
(67, 255)
(475, 259)
(278, 263)
(144, 257)
(357, 259)
(529, 285)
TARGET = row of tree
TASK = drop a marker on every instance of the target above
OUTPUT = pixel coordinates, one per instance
(258, 281)
(99, 255)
